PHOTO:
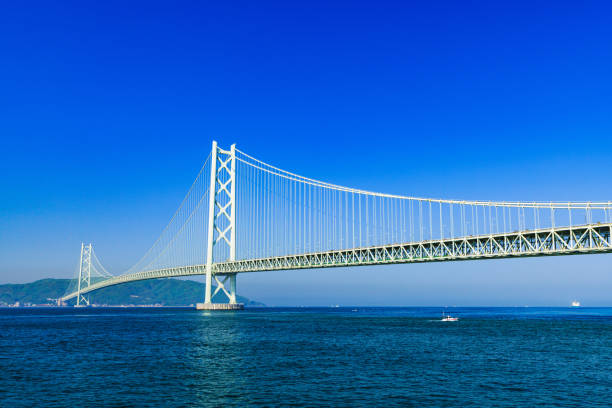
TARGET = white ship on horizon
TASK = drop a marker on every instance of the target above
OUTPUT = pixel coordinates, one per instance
(575, 303)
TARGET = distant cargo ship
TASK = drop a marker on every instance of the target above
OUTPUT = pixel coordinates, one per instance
(575, 303)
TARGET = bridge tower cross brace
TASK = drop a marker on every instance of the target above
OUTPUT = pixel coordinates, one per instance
(221, 219)
(84, 274)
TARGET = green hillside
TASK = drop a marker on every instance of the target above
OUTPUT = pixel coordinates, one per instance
(165, 292)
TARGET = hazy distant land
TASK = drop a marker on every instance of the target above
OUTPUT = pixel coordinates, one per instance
(158, 292)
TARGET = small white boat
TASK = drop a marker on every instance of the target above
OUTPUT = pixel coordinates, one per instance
(575, 303)
(448, 318)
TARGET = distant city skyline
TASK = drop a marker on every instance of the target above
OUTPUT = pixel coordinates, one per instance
(108, 114)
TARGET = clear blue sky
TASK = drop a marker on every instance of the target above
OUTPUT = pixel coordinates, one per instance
(107, 112)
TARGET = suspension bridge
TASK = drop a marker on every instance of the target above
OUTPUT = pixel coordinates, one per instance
(244, 215)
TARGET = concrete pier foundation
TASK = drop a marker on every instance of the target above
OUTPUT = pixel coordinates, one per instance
(220, 306)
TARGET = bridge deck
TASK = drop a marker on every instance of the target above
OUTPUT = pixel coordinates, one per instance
(584, 239)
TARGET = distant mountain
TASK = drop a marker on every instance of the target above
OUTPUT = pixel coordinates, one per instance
(165, 292)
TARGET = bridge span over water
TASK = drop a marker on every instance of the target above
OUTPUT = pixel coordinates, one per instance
(243, 215)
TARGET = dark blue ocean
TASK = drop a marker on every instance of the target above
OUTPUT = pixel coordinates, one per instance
(340, 357)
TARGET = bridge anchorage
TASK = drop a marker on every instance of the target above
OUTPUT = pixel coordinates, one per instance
(243, 215)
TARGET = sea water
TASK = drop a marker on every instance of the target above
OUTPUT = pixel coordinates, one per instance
(341, 357)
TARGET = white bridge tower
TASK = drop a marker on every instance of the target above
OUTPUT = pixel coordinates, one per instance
(221, 239)
(84, 275)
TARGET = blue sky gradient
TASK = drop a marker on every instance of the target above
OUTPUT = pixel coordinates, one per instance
(107, 112)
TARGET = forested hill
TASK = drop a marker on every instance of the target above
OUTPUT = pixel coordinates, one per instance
(164, 292)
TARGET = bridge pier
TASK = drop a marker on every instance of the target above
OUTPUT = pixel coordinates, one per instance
(219, 306)
(232, 305)
(231, 294)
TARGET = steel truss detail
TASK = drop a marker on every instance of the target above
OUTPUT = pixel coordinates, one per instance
(558, 241)
(587, 239)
